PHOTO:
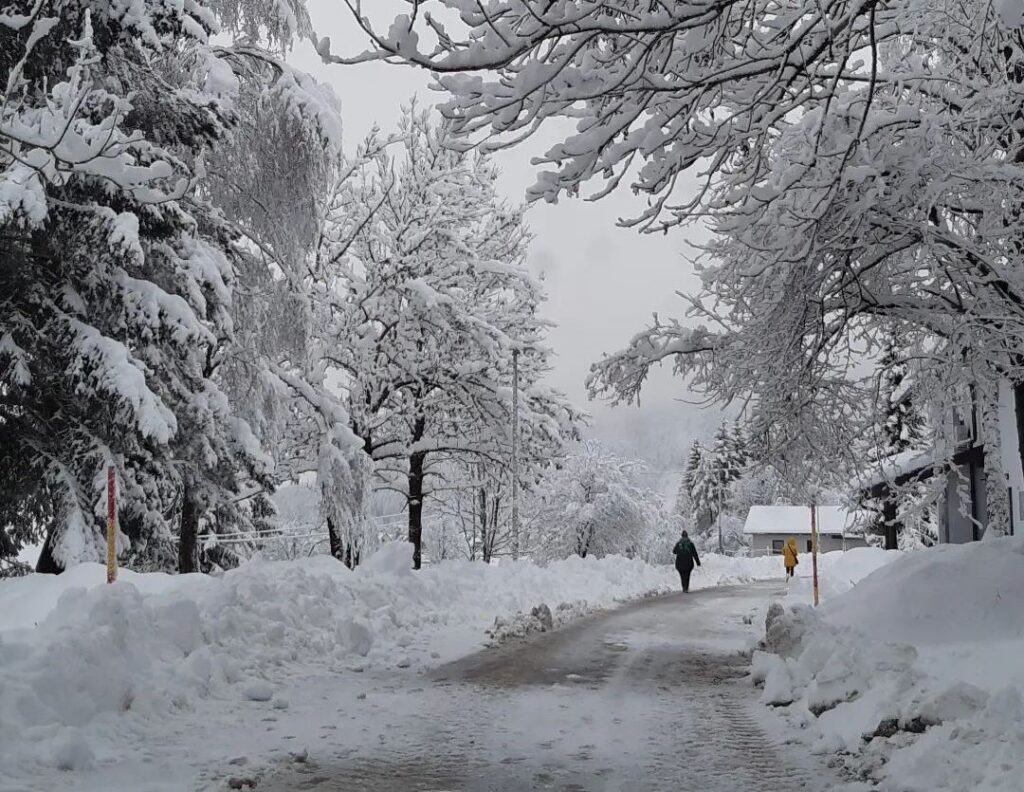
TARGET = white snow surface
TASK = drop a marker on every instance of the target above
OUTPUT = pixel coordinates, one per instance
(90, 673)
(931, 641)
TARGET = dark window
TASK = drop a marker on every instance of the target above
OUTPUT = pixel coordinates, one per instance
(777, 546)
(810, 548)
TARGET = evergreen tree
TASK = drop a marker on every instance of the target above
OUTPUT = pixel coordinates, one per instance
(903, 426)
(739, 450)
(117, 278)
(729, 459)
(685, 511)
(692, 465)
(704, 493)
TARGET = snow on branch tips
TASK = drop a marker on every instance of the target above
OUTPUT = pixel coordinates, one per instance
(839, 153)
(622, 374)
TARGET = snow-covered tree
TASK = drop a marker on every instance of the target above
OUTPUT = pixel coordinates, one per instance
(272, 186)
(431, 299)
(852, 173)
(903, 425)
(277, 187)
(686, 515)
(692, 465)
(758, 485)
(590, 504)
(160, 205)
(902, 430)
(117, 277)
(476, 505)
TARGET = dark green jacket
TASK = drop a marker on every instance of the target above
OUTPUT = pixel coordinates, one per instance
(686, 554)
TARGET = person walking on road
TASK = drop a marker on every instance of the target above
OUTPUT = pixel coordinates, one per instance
(789, 556)
(686, 557)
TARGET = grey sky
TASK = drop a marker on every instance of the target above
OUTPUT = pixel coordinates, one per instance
(603, 282)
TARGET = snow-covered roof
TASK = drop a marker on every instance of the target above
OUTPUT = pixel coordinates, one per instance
(897, 465)
(832, 520)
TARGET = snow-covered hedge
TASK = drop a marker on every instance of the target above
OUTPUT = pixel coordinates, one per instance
(78, 657)
(916, 670)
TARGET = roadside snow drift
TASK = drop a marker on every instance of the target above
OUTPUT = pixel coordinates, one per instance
(81, 661)
(917, 669)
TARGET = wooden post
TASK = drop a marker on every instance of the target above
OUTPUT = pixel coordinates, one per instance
(814, 549)
(111, 525)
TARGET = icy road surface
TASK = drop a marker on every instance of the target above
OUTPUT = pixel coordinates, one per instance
(649, 697)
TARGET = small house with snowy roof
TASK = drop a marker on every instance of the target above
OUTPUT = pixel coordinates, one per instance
(768, 527)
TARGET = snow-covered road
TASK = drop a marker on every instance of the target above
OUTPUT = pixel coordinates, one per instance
(647, 697)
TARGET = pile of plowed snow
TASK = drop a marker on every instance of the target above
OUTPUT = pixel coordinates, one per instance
(80, 659)
(916, 671)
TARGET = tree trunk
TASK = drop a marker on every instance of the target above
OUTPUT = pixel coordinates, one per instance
(416, 466)
(889, 517)
(334, 540)
(188, 536)
(47, 564)
(495, 512)
(485, 550)
(345, 552)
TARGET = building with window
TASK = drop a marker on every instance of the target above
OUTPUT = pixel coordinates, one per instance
(768, 527)
(960, 461)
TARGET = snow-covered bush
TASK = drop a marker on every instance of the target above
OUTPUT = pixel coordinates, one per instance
(591, 504)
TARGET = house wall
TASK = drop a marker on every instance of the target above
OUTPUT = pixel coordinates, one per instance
(760, 544)
(956, 527)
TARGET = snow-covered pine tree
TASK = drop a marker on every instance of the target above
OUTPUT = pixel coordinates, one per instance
(729, 459)
(117, 283)
(117, 274)
(739, 448)
(704, 493)
(903, 425)
(902, 428)
(692, 465)
(684, 508)
(720, 465)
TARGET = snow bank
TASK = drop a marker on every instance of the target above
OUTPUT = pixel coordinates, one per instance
(838, 572)
(81, 660)
(916, 670)
(950, 594)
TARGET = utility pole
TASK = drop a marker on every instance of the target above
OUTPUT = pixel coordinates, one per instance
(814, 548)
(721, 544)
(515, 454)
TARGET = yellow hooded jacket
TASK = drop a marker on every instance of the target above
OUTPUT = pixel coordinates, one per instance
(789, 553)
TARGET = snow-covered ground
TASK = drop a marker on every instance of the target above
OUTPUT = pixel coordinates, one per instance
(94, 675)
(917, 671)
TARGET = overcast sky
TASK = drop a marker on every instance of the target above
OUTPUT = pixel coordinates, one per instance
(603, 282)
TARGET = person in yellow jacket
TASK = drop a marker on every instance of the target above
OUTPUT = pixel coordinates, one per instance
(789, 556)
